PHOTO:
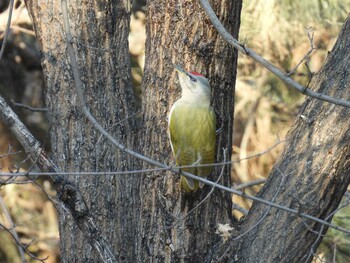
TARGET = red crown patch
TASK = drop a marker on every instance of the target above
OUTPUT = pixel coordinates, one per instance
(196, 73)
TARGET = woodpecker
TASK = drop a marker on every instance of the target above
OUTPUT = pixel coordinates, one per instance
(192, 128)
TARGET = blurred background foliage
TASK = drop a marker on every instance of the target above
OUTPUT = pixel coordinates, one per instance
(265, 108)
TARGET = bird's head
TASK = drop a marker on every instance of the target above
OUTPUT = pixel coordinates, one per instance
(193, 84)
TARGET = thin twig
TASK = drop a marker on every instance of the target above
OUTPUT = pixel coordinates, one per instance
(244, 195)
(313, 249)
(9, 152)
(12, 180)
(27, 107)
(12, 229)
(25, 248)
(7, 30)
(306, 57)
(165, 168)
(268, 65)
(23, 30)
(147, 170)
(239, 187)
(249, 184)
(239, 209)
(53, 201)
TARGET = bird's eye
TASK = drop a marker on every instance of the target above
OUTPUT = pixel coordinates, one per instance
(193, 79)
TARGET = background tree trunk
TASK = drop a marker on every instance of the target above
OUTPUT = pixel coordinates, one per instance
(311, 175)
(179, 32)
(100, 30)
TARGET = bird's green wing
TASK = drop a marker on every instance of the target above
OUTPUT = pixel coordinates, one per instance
(192, 132)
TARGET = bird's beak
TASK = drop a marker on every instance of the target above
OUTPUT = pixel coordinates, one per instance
(180, 70)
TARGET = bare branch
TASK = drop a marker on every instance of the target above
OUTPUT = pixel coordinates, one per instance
(306, 57)
(234, 191)
(11, 229)
(268, 65)
(239, 187)
(27, 107)
(25, 248)
(320, 232)
(239, 208)
(7, 31)
(23, 30)
(9, 152)
(250, 184)
(224, 188)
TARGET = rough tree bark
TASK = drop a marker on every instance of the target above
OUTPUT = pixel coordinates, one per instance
(100, 30)
(179, 32)
(314, 167)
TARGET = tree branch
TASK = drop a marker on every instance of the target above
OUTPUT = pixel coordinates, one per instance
(266, 64)
(22, 246)
(7, 31)
(306, 57)
(205, 181)
(11, 229)
(27, 107)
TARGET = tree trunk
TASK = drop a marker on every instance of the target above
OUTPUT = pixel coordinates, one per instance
(311, 175)
(179, 32)
(100, 30)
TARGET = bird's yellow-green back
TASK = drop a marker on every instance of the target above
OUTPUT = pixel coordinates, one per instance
(192, 131)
